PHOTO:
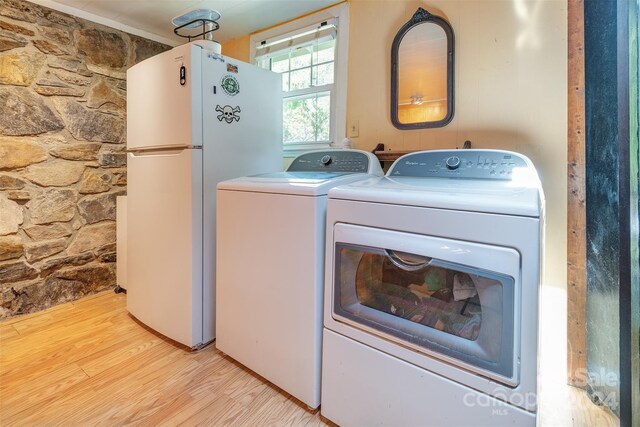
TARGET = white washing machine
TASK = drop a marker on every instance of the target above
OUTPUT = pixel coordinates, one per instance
(270, 266)
(431, 293)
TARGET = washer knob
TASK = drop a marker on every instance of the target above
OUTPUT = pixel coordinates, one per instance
(325, 160)
(453, 162)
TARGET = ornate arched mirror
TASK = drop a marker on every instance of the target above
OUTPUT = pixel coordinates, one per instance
(422, 73)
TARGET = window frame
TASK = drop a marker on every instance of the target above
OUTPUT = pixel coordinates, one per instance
(338, 123)
(291, 94)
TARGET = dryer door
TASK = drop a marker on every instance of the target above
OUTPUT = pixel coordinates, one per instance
(455, 300)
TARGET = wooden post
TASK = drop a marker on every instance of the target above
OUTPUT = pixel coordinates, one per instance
(576, 209)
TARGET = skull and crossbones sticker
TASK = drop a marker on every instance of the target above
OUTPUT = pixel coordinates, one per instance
(228, 113)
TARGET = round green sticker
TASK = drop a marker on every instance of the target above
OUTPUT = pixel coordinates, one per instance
(230, 85)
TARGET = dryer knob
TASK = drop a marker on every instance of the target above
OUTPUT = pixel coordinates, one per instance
(325, 160)
(453, 162)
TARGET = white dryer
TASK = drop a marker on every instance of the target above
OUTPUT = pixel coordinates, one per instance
(431, 293)
(270, 266)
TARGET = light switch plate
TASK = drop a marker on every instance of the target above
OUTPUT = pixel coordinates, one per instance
(354, 129)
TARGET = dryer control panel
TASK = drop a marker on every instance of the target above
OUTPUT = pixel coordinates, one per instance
(475, 164)
(333, 161)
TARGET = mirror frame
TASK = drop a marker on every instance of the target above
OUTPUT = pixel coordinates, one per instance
(420, 17)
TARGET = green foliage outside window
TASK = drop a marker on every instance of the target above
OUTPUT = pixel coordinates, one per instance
(307, 119)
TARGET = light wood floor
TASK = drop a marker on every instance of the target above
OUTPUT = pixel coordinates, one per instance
(559, 404)
(90, 363)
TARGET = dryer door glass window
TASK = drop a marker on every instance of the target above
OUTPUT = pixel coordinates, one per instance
(433, 305)
(442, 298)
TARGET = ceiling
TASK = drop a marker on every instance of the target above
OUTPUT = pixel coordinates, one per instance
(152, 18)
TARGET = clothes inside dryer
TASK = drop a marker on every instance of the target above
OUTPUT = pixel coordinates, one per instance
(431, 296)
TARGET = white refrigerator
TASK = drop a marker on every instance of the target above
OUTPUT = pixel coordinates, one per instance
(194, 118)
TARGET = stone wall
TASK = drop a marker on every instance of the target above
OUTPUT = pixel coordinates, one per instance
(62, 159)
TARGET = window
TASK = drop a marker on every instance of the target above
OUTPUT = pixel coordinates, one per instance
(312, 64)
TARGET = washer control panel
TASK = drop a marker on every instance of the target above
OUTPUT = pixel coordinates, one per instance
(483, 164)
(334, 161)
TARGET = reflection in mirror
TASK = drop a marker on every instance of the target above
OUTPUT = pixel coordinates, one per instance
(422, 73)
